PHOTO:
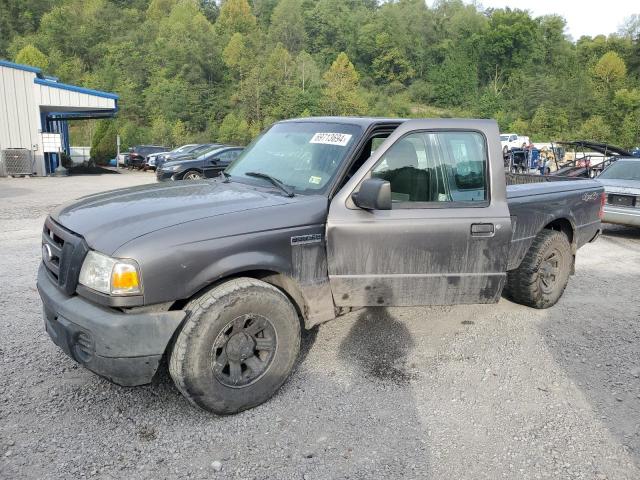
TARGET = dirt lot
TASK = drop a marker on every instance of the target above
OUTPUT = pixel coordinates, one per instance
(469, 392)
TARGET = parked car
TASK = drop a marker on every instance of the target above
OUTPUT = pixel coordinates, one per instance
(636, 152)
(150, 160)
(138, 154)
(193, 153)
(509, 141)
(184, 149)
(307, 224)
(207, 165)
(123, 159)
(621, 182)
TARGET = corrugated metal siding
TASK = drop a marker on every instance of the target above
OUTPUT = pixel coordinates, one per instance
(58, 97)
(19, 113)
(20, 102)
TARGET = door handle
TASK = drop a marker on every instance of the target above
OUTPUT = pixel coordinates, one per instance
(482, 229)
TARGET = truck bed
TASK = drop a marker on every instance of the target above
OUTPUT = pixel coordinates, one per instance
(535, 201)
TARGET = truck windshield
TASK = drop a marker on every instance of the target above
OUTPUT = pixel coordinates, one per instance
(621, 170)
(504, 138)
(304, 156)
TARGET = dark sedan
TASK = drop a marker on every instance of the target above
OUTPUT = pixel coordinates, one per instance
(138, 154)
(207, 165)
(191, 153)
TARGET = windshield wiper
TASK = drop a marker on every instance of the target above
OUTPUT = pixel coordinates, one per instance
(273, 180)
(225, 176)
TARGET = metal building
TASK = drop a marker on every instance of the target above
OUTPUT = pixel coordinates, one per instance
(32, 104)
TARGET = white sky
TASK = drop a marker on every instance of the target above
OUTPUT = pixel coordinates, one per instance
(588, 17)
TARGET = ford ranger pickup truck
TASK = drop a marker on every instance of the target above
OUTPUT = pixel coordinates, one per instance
(317, 217)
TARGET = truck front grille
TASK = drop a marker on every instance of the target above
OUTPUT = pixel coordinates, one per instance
(62, 254)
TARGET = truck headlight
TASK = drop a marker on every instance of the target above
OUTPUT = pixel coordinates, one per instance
(110, 275)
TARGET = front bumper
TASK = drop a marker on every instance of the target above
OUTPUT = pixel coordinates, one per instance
(163, 176)
(126, 348)
(622, 216)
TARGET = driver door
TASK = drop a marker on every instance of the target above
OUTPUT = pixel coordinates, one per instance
(445, 240)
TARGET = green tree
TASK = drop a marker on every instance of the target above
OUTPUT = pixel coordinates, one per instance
(390, 64)
(511, 42)
(179, 134)
(234, 130)
(103, 144)
(630, 130)
(455, 81)
(596, 129)
(235, 16)
(519, 125)
(610, 69)
(548, 123)
(287, 25)
(30, 55)
(161, 131)
(341, 94)
(236, 55)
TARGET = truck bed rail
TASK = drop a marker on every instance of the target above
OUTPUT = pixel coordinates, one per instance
(523, 178)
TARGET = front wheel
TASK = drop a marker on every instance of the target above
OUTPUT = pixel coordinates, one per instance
(543, 274)
(192, 175)
(237, 347)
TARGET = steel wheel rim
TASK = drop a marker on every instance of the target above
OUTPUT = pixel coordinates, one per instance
(244, 350)
(549, 270)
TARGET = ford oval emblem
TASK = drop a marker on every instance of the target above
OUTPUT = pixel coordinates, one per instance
(47, 254)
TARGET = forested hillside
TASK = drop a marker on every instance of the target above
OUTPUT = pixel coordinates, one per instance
(196, 70)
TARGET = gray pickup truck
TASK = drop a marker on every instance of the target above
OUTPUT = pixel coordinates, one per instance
(317, 217)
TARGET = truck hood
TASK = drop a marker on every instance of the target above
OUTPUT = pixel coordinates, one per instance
(110, 219)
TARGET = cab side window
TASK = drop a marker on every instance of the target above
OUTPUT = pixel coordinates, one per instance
(435, 168)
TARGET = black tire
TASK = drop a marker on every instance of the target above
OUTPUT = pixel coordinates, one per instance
(192, 175)
(235, 309)
(542, 276)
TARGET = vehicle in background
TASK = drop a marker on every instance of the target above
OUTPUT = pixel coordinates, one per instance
(182, 150)
(525, 160)
(588, 158)
(138, 154)
(123, 159)
(636, 152)
(316, 218)
(150, 160)
(193, 153)
(207, 165)
(621, 182)
(509, 141)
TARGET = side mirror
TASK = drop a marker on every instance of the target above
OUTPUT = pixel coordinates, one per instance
(374, 194)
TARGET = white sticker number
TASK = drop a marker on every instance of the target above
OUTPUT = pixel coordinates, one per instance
(340, 139)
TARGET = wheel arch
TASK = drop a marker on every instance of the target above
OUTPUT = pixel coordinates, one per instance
(282, 281)
(192, 169)
(565, 226)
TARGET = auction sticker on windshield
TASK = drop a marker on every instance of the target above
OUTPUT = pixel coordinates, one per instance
(340, 139)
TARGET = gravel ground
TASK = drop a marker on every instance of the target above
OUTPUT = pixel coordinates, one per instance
(467, 392)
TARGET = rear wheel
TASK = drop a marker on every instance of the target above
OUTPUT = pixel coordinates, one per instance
(543, 275)
(192, 175)
(237, 347)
